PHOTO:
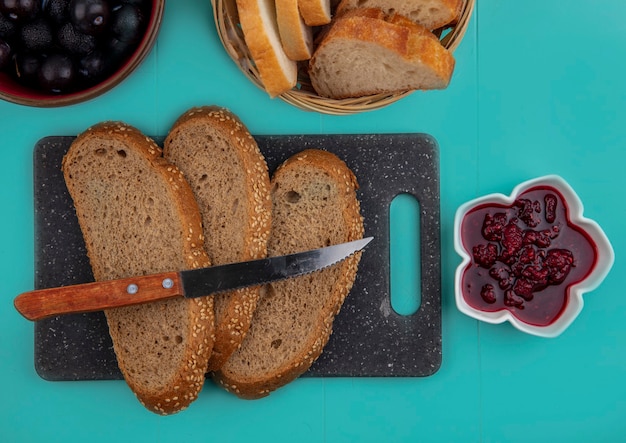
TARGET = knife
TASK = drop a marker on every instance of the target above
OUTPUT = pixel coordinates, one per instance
(96, 296)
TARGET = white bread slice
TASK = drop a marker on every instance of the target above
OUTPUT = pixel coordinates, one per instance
(138, 216)
(229, 177)
(296, 36)
(431, 14)
(367, 52)
(315, 12)
(277, 72)
(314, 204)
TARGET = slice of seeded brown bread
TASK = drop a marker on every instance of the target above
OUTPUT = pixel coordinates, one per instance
(314, 205)
(138, 216)
(230, 180)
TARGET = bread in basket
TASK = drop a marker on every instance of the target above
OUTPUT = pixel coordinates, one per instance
(303, 94)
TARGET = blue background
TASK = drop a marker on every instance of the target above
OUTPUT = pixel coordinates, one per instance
(538, 89)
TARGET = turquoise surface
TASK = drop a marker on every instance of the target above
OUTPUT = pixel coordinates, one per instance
(538, 89)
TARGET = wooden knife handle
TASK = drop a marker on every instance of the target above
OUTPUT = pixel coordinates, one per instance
(43, 303)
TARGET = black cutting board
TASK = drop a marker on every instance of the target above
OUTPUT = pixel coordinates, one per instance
(369, 338)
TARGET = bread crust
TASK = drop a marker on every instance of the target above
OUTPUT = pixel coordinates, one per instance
(296, 36)
(278, 73)
(315, 12)
(237, 307)
(178, 392)
(398, 35)
(416, 10)
(257, 385)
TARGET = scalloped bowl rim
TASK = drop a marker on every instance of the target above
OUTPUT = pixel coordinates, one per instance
(574, 306)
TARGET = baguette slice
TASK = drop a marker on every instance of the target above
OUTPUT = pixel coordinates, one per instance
(277, 71)
(296, 36)
(315, 12)
(138, 216)
(229, 178)
(366, 52)
(314, 205)
(431, 14)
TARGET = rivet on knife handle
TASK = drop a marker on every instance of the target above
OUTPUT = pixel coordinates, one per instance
(43, 303)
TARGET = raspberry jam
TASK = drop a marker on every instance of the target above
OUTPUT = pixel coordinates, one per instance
(524, 257)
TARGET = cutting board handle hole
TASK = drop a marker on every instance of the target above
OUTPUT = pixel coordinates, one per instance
(404, 245)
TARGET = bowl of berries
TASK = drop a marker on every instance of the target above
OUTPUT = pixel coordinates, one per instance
(528, 258)
(62, 52)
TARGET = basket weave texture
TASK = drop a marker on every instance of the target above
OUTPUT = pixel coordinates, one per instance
(304, 96)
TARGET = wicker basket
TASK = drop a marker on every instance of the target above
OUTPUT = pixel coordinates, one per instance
(303, 96)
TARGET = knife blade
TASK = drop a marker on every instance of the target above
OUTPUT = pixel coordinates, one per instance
(96, 296)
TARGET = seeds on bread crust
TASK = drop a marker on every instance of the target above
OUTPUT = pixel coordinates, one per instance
(314, 205)
(138, 216)
(229, 177)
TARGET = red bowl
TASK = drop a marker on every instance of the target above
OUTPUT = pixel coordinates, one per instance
(12, 91)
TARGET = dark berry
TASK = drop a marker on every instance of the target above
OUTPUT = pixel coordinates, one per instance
(74, 41)
(5, 54)
(128, 24)
(20, 10)
(537, 275)
(144, 5)
(90, 16)
(36, 35)
(118, 49)
(488, 294)
(137, 3)
(57, 73)
(499, 272)
(524, 288)
(27, 68)
(517, 268)
(512, 240)
(493, 226)
(8, 28)
(58, 11)
(530, 237)
(544, 238)
(528, 210)
(551, 202)
(527, 255)
(559, 262)
(513, 300)
(506, 283)
(485, 255)
(93, 67)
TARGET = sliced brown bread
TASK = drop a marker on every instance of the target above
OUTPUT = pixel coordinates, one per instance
(229, 178)
(366, 52)
(314, 204)
(296, 36)
(278, 73)
(431, 14)
(138, 216)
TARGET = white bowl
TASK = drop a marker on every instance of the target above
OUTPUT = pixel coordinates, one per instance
(497, 312)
